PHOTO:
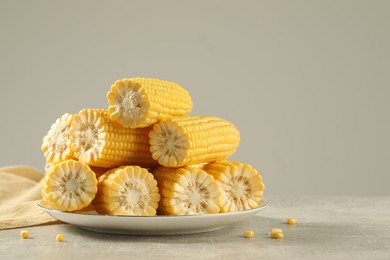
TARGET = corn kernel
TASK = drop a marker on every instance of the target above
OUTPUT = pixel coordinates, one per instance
(60, 237)
(276, 235)
(249, 234)
(291, 221)
(24, 234)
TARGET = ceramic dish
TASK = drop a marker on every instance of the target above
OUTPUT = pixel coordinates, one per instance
(155, 225)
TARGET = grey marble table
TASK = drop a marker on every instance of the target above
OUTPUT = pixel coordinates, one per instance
(327, 228)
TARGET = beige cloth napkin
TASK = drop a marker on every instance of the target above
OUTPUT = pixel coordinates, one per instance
(20, 190)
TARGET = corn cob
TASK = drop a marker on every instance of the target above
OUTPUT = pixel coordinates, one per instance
(141, 102)
(56, 143)
(187, 140)
(241, 185)
(186, 191)
(49, 166)
(97, 141)
(127, 190)
(69, 186)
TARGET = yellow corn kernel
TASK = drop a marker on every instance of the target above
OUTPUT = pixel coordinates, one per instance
(60, 237)
(241, 185)
(24, 234)
(276, 235)
(187, 140)
(186, 191)
(141, 102)
(291, 221)
(249, 234)
(97, 141)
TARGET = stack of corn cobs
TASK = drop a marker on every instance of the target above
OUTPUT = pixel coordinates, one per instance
(145, 155)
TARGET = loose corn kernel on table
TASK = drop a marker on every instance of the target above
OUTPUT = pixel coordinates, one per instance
(326, 228)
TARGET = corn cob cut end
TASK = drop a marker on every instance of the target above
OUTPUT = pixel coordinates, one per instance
(241, 185)
(128, 104)
(88, 135)
(186, 191)
(168, 144)
(56, 143)
(127, 190)
(69, 186)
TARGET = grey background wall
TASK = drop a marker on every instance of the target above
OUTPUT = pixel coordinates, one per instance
(306, 82)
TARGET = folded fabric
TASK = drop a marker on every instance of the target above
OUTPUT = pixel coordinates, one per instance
(20, 191)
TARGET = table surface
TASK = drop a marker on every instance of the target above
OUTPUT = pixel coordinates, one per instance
(327, 228)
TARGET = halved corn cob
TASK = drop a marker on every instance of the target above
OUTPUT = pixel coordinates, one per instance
(141, 102)
(56, 143)
(241, 185)
(127, 190)
(70, 185)
(182, 141)
(48, 167)
(97, 141)
(186, 191)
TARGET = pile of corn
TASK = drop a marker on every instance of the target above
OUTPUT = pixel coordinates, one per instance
(144, 155)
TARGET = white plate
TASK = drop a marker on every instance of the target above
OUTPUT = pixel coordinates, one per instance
(154, 225)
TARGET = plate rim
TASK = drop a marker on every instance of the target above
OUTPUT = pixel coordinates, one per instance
(262, 204)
